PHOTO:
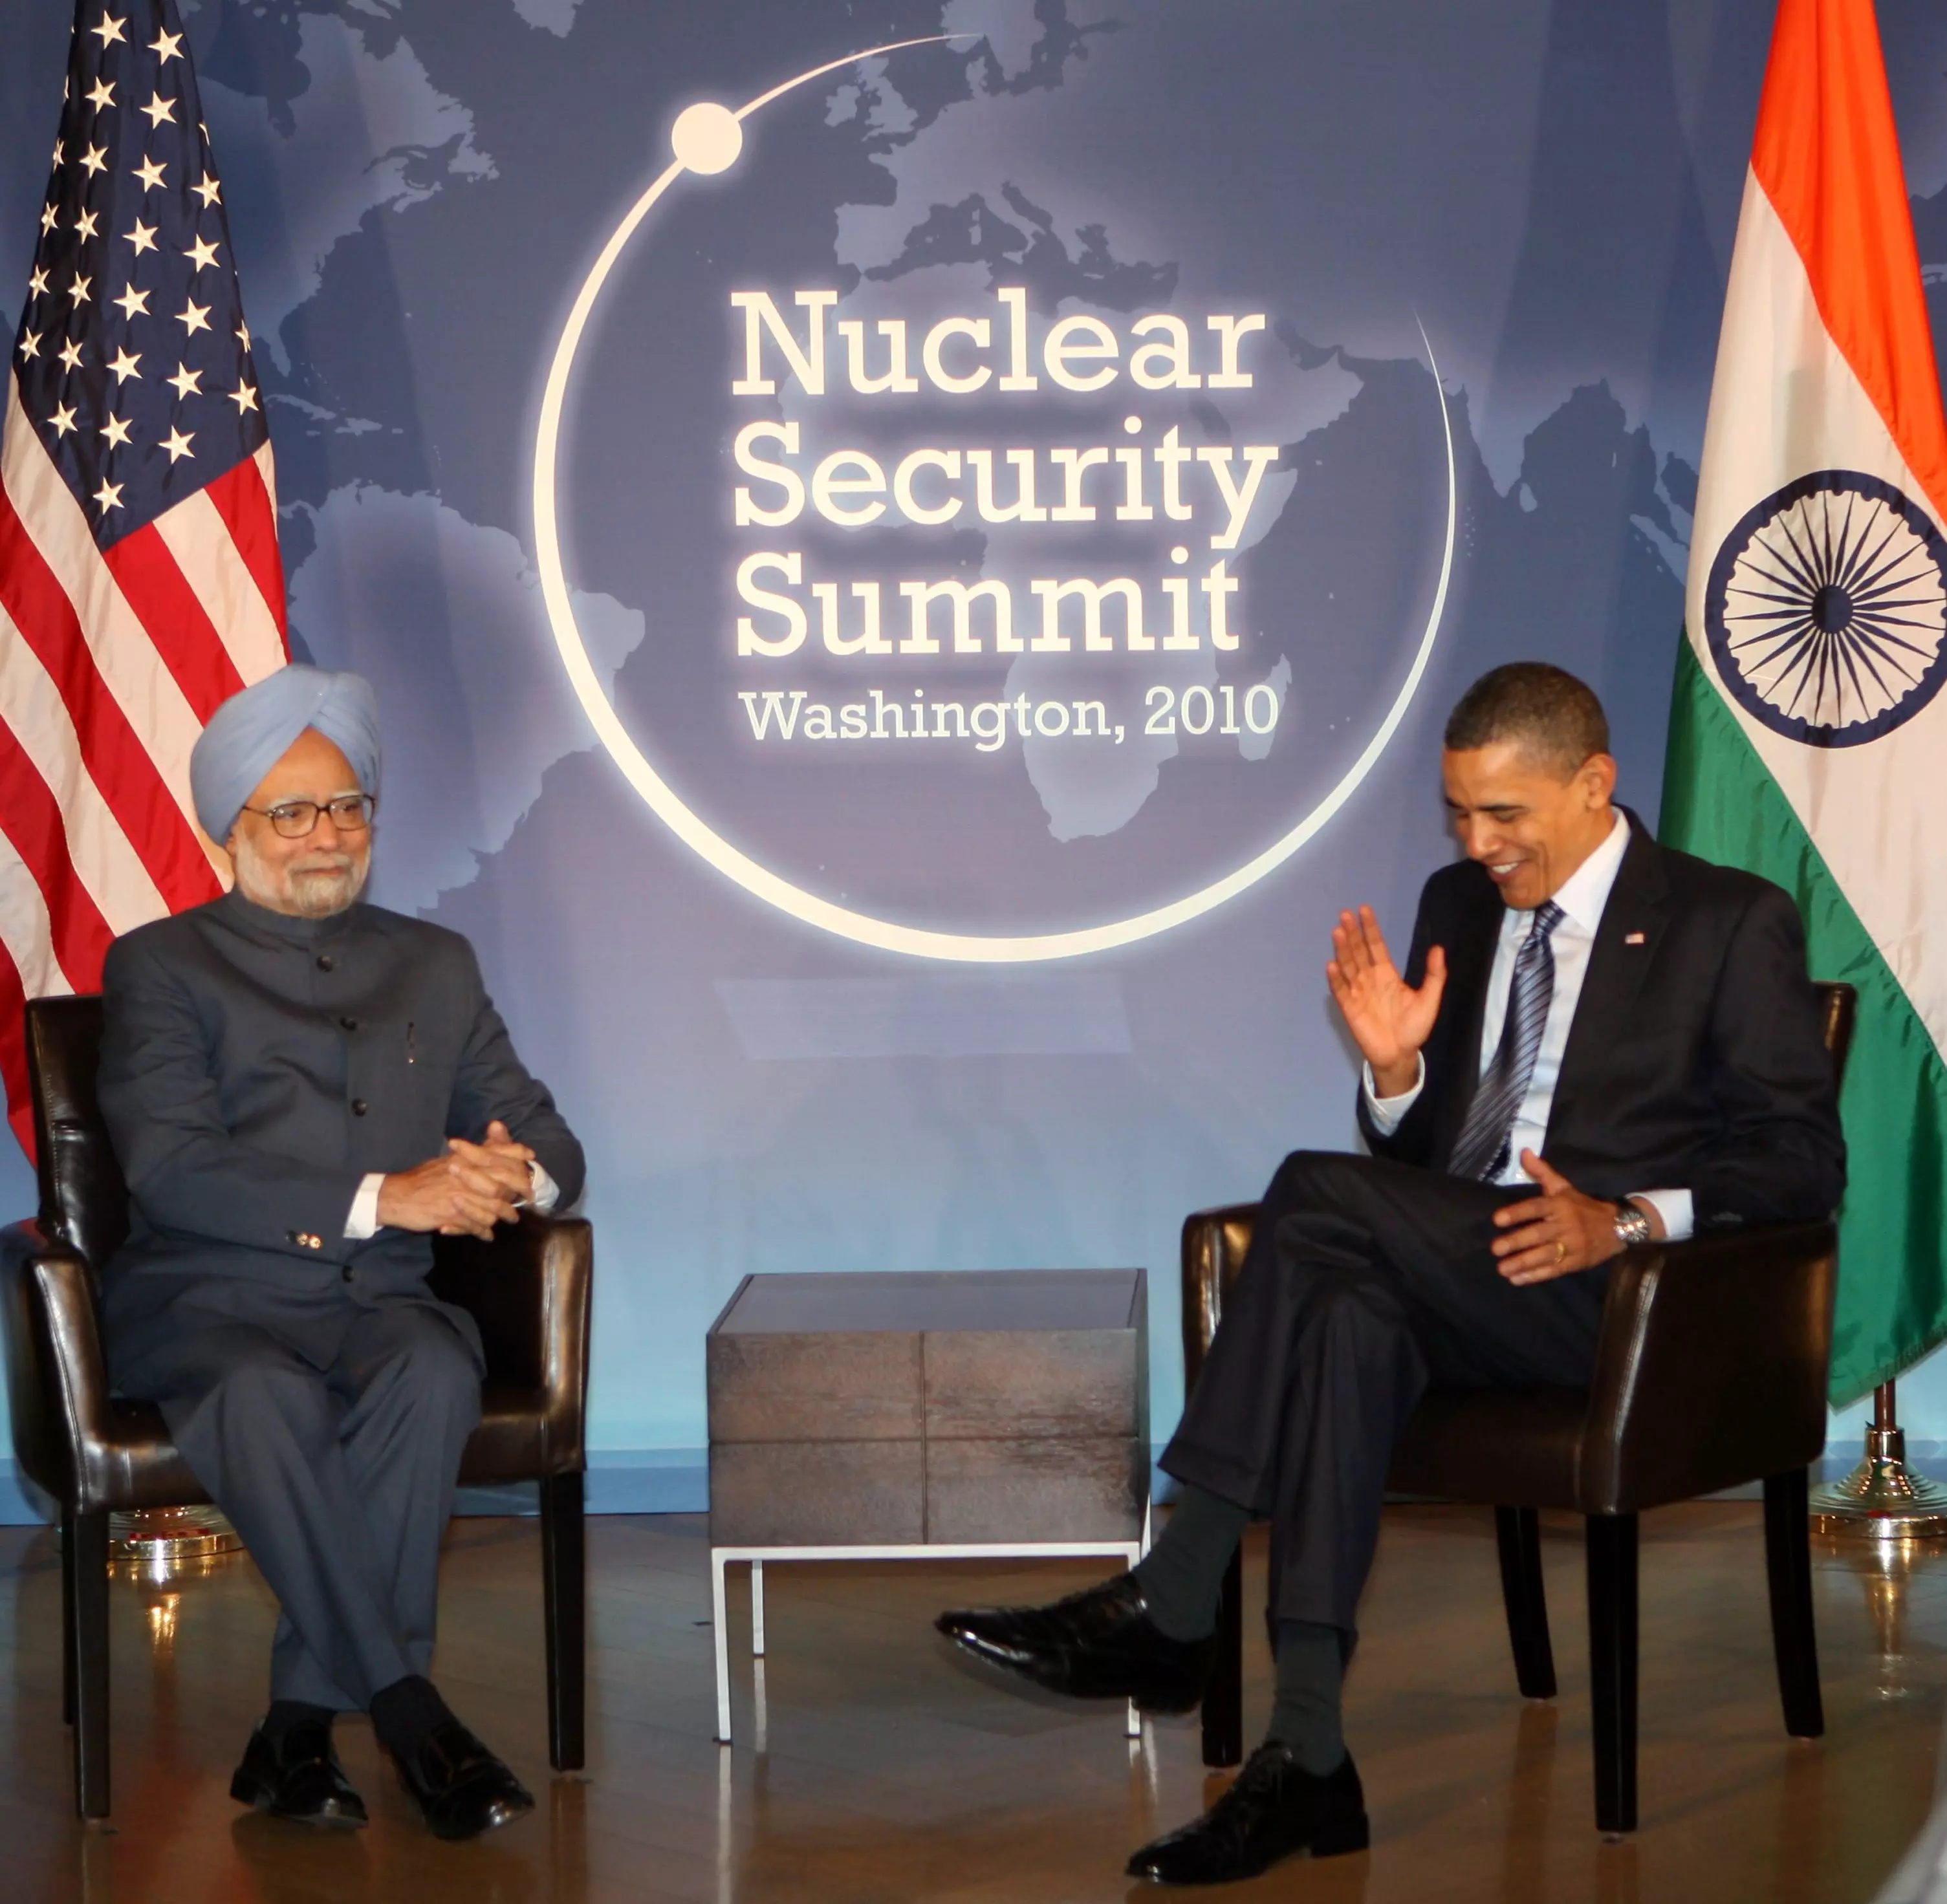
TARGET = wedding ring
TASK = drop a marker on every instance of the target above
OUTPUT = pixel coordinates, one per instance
(1561, 1252)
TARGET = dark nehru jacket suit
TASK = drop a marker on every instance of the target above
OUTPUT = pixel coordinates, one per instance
(1694, 1061)
(255, 1068)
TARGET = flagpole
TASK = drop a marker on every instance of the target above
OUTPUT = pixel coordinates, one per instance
(1882, 1499)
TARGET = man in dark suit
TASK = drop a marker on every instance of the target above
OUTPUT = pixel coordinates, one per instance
(301, 1089)
(1595, 1043)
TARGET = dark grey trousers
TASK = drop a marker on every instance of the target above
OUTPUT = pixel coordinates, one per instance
(340, 1480)
(1366, 1283)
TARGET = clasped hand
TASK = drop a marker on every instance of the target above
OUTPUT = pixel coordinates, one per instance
(1541, 1237)
(465, 1192)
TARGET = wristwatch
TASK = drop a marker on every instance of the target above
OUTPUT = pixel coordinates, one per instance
(1632, 1226)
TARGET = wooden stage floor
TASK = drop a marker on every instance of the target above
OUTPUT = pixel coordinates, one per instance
(886, 1774)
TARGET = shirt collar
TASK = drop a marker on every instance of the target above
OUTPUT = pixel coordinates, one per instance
(1586, 891)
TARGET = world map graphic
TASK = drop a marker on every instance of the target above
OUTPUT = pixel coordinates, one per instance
(1540, 199)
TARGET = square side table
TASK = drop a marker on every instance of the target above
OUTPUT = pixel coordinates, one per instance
(957, 1415)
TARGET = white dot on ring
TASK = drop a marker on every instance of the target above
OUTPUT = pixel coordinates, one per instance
(706, 136)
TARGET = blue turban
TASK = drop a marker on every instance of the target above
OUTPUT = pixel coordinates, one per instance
(252, 731)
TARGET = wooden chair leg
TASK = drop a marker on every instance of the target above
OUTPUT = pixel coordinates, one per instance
(1518, 1532)
(67, 1617)
(1612, 1668)
(1788, 1568)
(85, 1541)
(564, 1598)
(1224, 1697)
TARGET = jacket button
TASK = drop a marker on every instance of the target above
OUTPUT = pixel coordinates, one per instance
(326, 962)
(350, 1023)
(346, 1272)
(358, 1107)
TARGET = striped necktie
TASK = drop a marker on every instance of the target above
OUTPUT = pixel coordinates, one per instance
(1481, 1149)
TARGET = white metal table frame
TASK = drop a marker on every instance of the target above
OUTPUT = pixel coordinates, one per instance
(1130, 1551)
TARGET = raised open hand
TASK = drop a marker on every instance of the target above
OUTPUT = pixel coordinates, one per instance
(1388, 1018)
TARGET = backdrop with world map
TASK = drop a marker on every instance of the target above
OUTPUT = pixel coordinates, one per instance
(1489, 244)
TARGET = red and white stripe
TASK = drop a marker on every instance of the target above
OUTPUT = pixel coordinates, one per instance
(109, 665)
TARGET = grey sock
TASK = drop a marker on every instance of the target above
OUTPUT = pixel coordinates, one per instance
(1182, 1576)
(1305, 1712)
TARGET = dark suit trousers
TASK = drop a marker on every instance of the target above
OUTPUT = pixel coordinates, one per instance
(340, 1480)
(1366, 1283)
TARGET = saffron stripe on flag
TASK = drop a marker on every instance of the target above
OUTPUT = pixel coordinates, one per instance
(1826, 153)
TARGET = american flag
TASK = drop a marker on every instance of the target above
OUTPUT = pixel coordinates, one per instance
(140, 579)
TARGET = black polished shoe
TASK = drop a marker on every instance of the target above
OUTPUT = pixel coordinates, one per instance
(460, 1786)
(1100, 1644)
(1274, 1809)
(298, 1778)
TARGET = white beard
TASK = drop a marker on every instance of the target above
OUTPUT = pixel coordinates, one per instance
(314, 887)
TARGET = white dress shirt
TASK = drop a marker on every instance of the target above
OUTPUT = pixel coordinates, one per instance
(363, 1221)
(1582, 897)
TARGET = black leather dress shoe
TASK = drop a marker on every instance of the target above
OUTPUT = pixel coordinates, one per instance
(1274, 1809)
(298, 1778)
(1097, 1644)
(460, 1786)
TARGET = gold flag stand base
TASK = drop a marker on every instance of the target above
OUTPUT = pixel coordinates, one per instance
(160, 1542)
(1882, 1499)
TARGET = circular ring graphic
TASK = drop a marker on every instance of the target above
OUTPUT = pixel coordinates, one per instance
(1826, 609)
(863, 928)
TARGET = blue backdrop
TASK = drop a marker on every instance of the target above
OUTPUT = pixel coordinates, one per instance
(1488, 246)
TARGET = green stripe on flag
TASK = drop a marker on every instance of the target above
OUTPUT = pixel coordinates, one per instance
(1720, 803)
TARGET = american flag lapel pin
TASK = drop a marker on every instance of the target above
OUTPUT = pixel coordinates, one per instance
(1632, 938)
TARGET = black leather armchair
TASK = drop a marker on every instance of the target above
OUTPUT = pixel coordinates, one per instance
(95, 1454)
(1710, 1373)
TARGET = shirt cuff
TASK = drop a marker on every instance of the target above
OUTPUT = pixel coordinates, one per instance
(364, 1220)
(1675, 1207)
(545, 1193)
(1387, 1112)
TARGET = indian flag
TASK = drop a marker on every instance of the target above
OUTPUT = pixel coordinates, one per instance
(1808, 735)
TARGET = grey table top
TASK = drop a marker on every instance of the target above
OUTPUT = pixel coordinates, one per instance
(855, 1302)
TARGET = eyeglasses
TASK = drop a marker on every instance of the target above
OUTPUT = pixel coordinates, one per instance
(293, 819)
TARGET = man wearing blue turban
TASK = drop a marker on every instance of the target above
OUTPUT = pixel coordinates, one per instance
(301, 1090)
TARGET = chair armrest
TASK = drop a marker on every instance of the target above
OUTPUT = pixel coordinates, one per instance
(1711, 1367)
(1214, 1243)
(56, 1377)
(529, 1291)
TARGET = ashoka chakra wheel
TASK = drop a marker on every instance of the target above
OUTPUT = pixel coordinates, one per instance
(1826, 609)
